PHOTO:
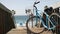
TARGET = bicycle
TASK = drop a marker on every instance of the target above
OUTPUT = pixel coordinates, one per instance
(34, 23)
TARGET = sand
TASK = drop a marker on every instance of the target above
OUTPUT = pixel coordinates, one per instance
(22, 30)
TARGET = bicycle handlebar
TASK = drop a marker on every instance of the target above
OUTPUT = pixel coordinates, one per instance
(37, 2)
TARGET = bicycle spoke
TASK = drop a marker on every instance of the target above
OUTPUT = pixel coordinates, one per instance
(37, 28)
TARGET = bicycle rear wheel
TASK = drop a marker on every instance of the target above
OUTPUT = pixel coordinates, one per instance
(54, 19)
(34, 24)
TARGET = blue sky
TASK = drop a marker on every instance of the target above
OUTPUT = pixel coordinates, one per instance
(20, 5)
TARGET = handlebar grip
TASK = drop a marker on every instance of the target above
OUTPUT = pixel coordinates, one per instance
(37, 2)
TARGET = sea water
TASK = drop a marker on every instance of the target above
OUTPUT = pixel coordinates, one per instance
(20, 20)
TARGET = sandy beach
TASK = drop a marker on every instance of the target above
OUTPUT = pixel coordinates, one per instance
(21, 30)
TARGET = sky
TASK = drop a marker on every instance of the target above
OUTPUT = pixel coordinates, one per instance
(20, 5)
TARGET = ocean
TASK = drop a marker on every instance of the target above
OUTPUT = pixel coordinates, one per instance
(20, 21)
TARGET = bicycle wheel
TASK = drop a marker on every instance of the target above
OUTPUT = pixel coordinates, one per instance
(34, 24)
(53, 17)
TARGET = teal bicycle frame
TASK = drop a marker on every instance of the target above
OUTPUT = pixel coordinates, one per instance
(42, 19)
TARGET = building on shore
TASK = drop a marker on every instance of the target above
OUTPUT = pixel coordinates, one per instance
(6, 21)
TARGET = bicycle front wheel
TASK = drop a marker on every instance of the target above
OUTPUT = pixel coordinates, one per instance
(34, 24)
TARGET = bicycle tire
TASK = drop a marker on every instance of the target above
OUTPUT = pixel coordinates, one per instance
(52, 15)
(38, 31)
